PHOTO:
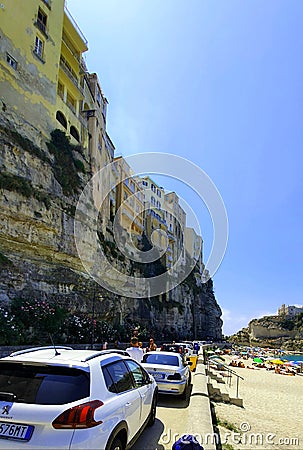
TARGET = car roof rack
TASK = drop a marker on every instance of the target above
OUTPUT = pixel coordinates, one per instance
(35, 349)
(105, 352)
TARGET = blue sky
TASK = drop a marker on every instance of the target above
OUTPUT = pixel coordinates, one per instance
(219, 83)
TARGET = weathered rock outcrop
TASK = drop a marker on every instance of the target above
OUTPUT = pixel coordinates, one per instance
(39, 260)
(273, 331)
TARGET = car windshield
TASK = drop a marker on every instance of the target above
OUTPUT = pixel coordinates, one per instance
(167, 360)
(44, 385)
(172, 348)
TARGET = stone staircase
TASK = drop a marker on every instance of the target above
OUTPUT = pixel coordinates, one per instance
(221, 386)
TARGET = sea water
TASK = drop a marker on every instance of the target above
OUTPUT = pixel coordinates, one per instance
(293, 357)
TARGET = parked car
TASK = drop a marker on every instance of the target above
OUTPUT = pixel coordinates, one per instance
(189, 354)
(166, 347)
(170, 370)
(188, 348)
(60, 398)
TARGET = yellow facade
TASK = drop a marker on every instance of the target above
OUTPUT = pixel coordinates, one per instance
(72, 83)
(154, 221)
(101, 148)
(42, 70)
(176, 221)
(30, 51)
(194, 248)
(129, 199)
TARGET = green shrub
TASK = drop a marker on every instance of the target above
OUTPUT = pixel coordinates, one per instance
(15, 183)
(65, 166)
(25, 143)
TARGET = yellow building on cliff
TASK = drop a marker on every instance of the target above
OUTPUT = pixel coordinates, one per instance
(42, 70)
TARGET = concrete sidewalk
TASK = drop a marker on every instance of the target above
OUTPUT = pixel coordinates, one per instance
(199, 421)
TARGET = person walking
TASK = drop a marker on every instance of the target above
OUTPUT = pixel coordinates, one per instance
(135, 351)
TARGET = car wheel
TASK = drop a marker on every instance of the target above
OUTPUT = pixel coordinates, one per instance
(117, 445)
(152, 414)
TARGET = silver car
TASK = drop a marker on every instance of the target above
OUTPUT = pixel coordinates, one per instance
(170, 370)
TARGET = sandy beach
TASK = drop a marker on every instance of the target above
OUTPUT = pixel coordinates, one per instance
(273, 409)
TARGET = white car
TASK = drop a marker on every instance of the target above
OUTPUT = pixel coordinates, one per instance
(170, 370)
(60, 398)
(188, 348)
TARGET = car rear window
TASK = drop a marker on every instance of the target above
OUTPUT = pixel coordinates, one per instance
(167, 360)
(43, 385)
(172, 348)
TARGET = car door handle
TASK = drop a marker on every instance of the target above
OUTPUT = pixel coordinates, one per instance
(128, 404)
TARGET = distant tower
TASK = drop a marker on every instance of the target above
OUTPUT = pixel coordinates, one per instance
(282, 310)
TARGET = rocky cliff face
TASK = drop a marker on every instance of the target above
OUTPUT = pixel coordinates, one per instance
(273, 331)
(39, 260)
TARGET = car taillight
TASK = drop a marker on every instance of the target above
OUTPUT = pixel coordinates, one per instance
(175, 376)
(80, 416)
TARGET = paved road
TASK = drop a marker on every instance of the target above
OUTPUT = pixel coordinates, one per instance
(172, 415)
(176, 417)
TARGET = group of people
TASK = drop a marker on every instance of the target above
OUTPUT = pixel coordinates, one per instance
(136, 350)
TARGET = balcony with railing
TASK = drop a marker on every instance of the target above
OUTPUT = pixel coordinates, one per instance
(75, 25)
(71, 75)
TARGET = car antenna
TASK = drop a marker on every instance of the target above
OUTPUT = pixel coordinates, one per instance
(56, 351)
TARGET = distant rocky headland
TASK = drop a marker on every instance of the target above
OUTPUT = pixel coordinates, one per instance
(284, 330)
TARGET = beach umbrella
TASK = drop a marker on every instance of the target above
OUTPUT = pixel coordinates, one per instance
(258, 360)
(277, 361)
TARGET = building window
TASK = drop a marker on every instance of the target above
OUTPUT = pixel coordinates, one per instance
(144, 183)
(61, 119)
(99, 98)
(71, 102)
(39, 47)
(153, 188)
(104, 107)
(158, 192)
(48, 3)
(74, 133)
(41, 21)
(132, 186)
(60, 90)
(11, 61)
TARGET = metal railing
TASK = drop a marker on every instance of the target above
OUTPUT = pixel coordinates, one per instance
(230, 373)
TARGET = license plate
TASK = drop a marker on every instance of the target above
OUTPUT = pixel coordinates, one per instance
(158, 376)
(16, 431)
